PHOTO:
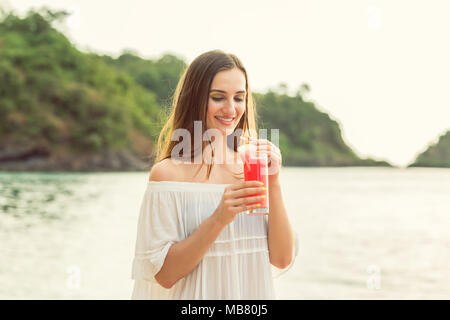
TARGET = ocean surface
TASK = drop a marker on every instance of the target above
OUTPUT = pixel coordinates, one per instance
(364, 233)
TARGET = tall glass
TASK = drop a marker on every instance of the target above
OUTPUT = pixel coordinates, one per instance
(256, 169)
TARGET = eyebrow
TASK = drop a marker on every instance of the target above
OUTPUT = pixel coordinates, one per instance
(241, 91)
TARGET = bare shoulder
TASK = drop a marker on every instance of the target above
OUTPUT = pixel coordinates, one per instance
(165, 170)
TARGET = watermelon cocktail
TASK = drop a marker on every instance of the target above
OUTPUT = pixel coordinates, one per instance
(255, 169)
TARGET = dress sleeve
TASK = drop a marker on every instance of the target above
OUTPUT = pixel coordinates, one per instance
(158, 228)
(278, 272)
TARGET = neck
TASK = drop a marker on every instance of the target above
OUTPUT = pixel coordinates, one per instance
(222, 153)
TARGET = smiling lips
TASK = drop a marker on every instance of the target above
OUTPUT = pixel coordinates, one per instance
(225, 121)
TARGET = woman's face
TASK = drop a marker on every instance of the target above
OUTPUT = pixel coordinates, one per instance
(226, 100)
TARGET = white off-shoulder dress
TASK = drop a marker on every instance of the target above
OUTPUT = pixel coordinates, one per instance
(236, 266)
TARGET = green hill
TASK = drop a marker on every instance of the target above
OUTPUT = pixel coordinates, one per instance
(60, 106)
(308, 137)
(436, 155)
(63, 109)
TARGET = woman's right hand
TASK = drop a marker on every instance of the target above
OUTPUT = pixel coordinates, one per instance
(234, 200)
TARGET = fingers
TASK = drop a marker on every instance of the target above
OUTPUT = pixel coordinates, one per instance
(261, 142)
(264, 144)
(247, 192)
(269, 150)
(237, 200)
(247, 200)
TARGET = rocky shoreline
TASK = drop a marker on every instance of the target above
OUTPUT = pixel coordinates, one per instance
(40, 159)
(47, 159)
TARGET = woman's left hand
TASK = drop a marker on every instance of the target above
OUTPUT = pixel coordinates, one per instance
(264, 146)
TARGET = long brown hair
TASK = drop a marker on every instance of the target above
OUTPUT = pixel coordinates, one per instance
(190, 104)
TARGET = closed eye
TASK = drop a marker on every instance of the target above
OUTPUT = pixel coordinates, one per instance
(219, 99)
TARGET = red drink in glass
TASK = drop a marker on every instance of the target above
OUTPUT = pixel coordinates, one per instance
(256, 169)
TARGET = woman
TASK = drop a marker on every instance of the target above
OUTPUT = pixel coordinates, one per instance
(192, 240)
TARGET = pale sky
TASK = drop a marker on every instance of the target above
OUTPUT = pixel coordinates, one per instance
(379, 68)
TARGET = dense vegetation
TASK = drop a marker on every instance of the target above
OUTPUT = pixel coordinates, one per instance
(436, 155)
(60, 104)
(308, 137)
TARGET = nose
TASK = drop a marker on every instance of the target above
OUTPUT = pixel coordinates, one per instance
(229, 108)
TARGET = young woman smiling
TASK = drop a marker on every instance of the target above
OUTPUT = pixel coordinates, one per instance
(194, 240)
